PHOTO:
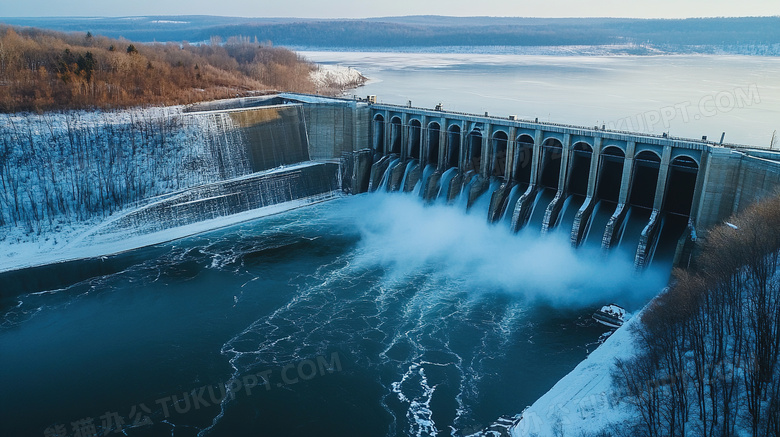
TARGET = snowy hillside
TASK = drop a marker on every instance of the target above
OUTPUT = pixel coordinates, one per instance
(65, 174)
(57, 168)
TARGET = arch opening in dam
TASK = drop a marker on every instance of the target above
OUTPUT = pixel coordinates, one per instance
(453, 146)
(639, 208)
(647, 166)
(579, 169)
(576, 187)
(379, 134)
(498, 161)
(683, 172)
(607, 196)
(548, 183)
(674, 217)
(434, 132)
(552, 151)
(415, 135)
(523, 158)
(610, 174)
(395, 135)
(474, 156)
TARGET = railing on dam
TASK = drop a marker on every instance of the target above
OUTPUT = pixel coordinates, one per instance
(580, 130)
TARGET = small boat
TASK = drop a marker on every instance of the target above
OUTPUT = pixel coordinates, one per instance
(610, 315)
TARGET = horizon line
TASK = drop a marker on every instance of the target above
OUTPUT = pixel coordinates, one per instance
(387, 17)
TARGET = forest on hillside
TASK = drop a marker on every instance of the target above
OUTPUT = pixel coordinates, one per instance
(47, 70)
(709, 360)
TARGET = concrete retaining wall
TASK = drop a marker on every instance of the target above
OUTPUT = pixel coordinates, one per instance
(733, 180)
(335, 128)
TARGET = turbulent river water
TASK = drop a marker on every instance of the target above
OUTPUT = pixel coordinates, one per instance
(370, 315)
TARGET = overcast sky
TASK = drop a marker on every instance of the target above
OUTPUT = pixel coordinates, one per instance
(377, 8)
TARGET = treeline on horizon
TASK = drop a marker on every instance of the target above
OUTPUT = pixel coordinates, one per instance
(708, 361)
(428, 31)
(366, 33)
(47, 70)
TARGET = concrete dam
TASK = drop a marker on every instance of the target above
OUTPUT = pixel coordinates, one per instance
(601, 187)
(644, 193)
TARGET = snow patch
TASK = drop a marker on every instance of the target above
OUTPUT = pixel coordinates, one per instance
(336, 77)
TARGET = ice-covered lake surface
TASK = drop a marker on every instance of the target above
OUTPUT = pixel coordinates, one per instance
(682, 95)
(430, 319)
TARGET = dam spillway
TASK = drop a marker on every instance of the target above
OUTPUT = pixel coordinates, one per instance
(603, 187)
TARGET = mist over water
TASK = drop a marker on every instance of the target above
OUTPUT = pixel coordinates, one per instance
(405, 237)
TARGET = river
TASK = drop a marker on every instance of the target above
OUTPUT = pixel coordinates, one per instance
(437, 320)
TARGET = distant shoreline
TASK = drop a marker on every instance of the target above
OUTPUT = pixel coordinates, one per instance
(758, 36)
